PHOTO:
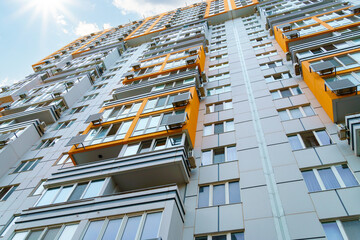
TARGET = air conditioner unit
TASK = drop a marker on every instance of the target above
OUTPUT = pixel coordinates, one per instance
(47, 62)
(296, 69)
(193, 51)
(38, 68)
(64, 52)
(353, 126)
(136, 65)
(341, 131)
(203, 77)
(57, 56)
(4, 138)
(97, 43)
(176, 121)
(355, 9)
(191, 60)
(191, 159)
(152, 44)
(68, 63)
(168, 25)
(120, 39)
(42, 127)
(129, 75)
(69, 84)
(57, 94)
(286, 27)
(292, 34)
(181, 99)
(22, 96)
(92, 47)
(82, 40)
(92, 34)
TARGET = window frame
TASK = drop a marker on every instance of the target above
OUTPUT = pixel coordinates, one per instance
(211, 193)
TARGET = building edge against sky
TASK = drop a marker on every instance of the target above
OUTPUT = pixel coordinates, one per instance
(222, 120)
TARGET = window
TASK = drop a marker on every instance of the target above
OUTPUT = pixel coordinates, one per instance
(8, 225)
(71, 192)
(89, 97)
(339, 230)
(122, 111)
(288, 92)
(65, 158)
(217, 128)
(223, 236)
(39, 189)
(271, 65)
(277, 76)
(27, 165)
(338, 176)
(261, 46)
(153, 145)
(267, 54)
(160, 103)
(309, 139)
(299, 112)
(47, 143)
(99, 86)
(78, 109)
(218, 77)
(65, 124)
(217, 107)
(153, 123)
(218, 155)
(6, 191)
(62, 232)
(219, 194)
(218, 90)
(107, 133)
(142, 227)
(218, 57)
(218, 66)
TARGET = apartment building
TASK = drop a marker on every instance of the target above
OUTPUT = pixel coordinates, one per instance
(222, 120)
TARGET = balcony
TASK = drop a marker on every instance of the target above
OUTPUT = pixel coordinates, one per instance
(165, 199)
(145, 88)
(129, 173)
(49, 108)
(15, 140)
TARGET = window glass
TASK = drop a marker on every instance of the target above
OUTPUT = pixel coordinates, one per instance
(151, 227)
(160, 144)
(309, 139)
(324, 137)
(284, 115)
(311, 181)
(295, 113)
(174, 141)
(145, 146)
(208, 130)
(234, 192)
(231, 153)
(131, 228)
(34, 235)
(93, 230)
(275, 95)
(222, 237)
(219, 107)
(352, 229)
(237, 236)
(230, 126)
(286, 93)
(206, 158)
(131, 149)
(68, 232)
(219, 195)
(295, 142)
(48, 197)
(203, 196)
(94, 188)
(76, 194)
(51, 233)
(346, 175)
(328, 178)
(308, 111)
(112, 229)
(64, 194)
(20, 236)
(332, 231)
(218, 128)
(296, 90)
(219, 155)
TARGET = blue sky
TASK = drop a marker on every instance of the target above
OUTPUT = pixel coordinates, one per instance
(33, 29)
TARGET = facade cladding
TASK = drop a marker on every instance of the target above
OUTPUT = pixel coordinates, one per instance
(223, 120)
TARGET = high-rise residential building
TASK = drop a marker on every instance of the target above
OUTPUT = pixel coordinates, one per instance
(222, 120)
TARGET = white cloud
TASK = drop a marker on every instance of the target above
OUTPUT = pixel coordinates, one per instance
(6, 82)
(84, 28)
(60, 19)
(150, 7)
(107, 26)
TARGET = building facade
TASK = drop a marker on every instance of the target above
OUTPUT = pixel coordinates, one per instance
(222, 120)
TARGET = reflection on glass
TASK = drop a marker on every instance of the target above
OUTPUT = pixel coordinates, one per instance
(93, 230)
(151, 227)
(112, 229)
(131, 228)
